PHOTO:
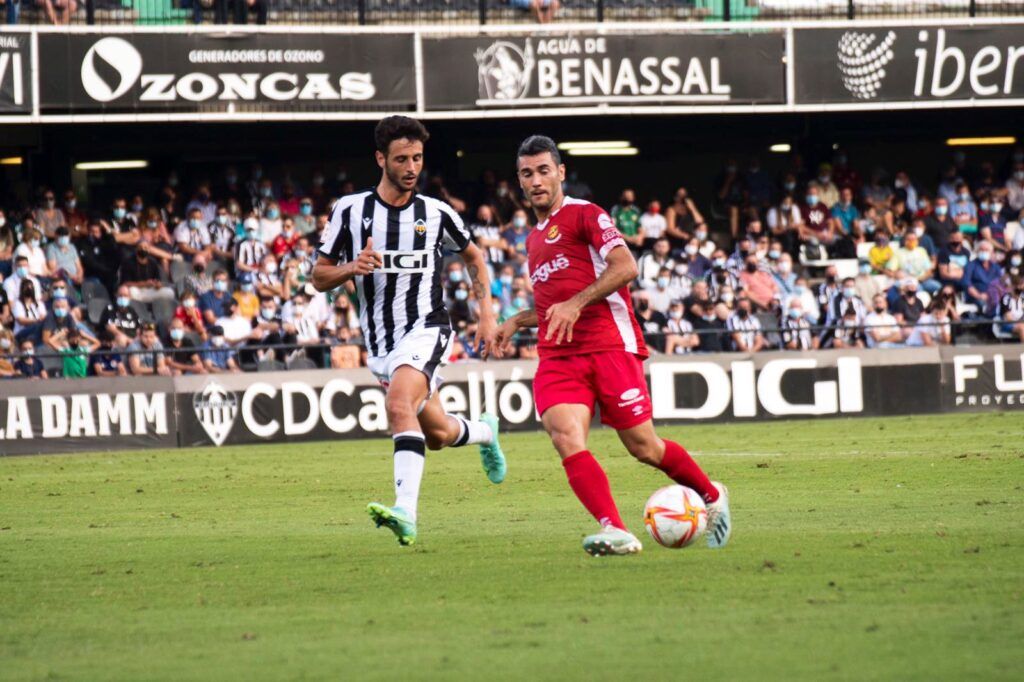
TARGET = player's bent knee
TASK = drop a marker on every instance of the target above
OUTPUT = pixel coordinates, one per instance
(436, 439)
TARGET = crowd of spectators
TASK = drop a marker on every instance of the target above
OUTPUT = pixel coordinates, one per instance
(218, 280)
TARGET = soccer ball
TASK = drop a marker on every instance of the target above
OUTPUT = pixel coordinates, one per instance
(675, 516)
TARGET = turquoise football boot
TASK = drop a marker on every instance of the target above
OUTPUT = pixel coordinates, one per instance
(491, 455)
(396, 519)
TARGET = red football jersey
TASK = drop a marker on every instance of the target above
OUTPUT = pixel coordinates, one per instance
(566, 254)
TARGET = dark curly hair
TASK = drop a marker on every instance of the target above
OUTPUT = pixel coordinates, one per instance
(395, 128)
(538, 144)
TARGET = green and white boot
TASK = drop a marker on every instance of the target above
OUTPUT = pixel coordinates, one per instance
(491, 455)
(396, 519)
(612, 541)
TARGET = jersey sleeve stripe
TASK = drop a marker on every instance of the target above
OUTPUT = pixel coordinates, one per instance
(419, 243)
(368, 287)
(458, 236)
(608, 246)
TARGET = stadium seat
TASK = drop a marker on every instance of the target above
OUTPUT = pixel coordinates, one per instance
(96, 306)
(1002, 335)
(301, 363)
(145, 314)
(863, 249)
(92, 288)
(270, 366)
(769, 323)
(179, 271)
(52, 364)
(163, 310)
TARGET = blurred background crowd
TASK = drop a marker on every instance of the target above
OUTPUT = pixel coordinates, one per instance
(211, 274)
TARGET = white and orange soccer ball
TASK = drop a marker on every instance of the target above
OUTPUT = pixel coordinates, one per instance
(675, 516)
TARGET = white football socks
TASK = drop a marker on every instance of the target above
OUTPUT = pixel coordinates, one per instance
(410, 452)
(471, 433)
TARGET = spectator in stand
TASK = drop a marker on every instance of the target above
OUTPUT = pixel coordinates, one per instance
(843, 174)
(271, 224)
(29, 312)
(868, 284)
(679, 336)
(808, 302)
(758, 186)
(848, 331)
(7, 357)
(785, 278)
(141, 275)
(905, 189)
(182, 354)
(120, 319)
(198, 281)
(27, 364)
(235, 328)
(697, 264)
(501, 287)
(250, 252)
(74, 349)
(145, 356)
(289, 201)
(760, 286)
(106, 361)
(877, 194)
(266, 330)
(8, 240)
(917, 227)
(652, 225)
(74, 217)
(650, 264)
(940, 226)
(915, 262)
(729, 195)
(796, 330)
(505, 202)
(1014, 266)
(6, 319)
(880, 327)
(948, 183)
(33, 253)
(933, 327)
(738, 260)
(828, 193)
(1015, 188)
(100, 255)
(992, 224)
(745, 328)
(908, 307)
(124, 227)
(62, 258)
(48, 216)
(651, 323)
(300, 322)
(660, 296)
(59, 11)
(543, 11)
(720, 276)
(203, 202)
(222, 237)
(710, 330)
(840, 307)
(286, 240)
(626, 215)
(784, 220)
(13, 284)
(57, 324)
(192, 236)
(844, 213)
(190, 315)
(213, 304)
(245, 296)
(305, 221)
(979, 275)
(515, 238)
(953, 261)
(882, 257)
(1011, 308)
(682, 219)
(487, 235)
(815, 222)
(964, 211)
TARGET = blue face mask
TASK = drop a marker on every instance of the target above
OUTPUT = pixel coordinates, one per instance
(60, 313)
(812, 199)
(865, 269)
(306, 209)
(177, 334)
(222, 219)
(119, 213)
(195, 223)
(123, 301)
(506, 279)
(774, 254)
(849, 292)
(794, 313)
(220, 285)
(983, 256)
(663, 282)
(272, 214)
(64, 240)
(22, 271)
(461, 294)
(247, 288)
(60, 293)
(941, 210)
(455, 276)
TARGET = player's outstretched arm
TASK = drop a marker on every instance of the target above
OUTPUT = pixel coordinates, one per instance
(328, 274)
(562, 316)
(502, 342)
(473, 257)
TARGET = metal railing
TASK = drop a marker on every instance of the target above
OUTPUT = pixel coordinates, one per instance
(478, 12)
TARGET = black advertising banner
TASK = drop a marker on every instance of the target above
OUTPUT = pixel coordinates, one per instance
(148, 72)
(586, 69)
(15, 73)
(908, 64)
(983, 379)
(59, 415)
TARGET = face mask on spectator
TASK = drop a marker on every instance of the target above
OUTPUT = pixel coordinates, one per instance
(964, 196)
(751, 267)
(882, 242)
(123, 301)
(785, 267)
(119, 213)
(662, 282)
(849, 292)
(22, 271)
(789, 186)
(682, 269)
(506, 280)
(137, 207)
(461, 294)
(195, 223)
(298, 309)
(812, 199)
(824, 178)
(217, 341)
(71, 203)
(220, 285)
(1018, 175)
(941, 210)
(29, 352)
(272, 214)
(996, 208)
(250, 234)
(60, 313)
(799, 290)
(34, 243)
(743, 312)
(266, 191)
(691, 250)
(728, 297)
(983, 206)
(719, 262)
(271, 267)
(306, 209)
(1015, 260)
(519, 222)
(701, 235)
(248, 287)
(865, 269)
(879, 308)
(60, 292)
(676, 314)
(189, 303)
(177, 334)
(919, 231)
(222, 219)
(984, 256)
(795, 313)
(64, 240)
(899, 184)
(710, 317)
(5, 344)
(455, 276)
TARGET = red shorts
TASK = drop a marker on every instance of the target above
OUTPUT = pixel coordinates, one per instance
(614, 380)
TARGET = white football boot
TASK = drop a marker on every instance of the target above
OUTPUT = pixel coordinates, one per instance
(612, 541)
(719, 526)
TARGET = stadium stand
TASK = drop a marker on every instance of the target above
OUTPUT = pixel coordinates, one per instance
(833, 257)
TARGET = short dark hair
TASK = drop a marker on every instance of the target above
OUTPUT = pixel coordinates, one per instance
(538, 144)
(395, 128)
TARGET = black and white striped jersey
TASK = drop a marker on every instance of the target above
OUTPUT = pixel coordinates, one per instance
(406, 293)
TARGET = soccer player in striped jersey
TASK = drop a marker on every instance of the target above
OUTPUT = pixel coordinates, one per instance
(592, 350)
(390, 241)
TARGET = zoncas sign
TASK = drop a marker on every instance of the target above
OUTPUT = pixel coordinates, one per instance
(145, 71)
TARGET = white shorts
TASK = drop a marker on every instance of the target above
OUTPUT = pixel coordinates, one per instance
(426, 349)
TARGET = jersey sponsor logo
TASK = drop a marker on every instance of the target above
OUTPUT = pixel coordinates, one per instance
(553, 235)
(406, 262)
(629, 394)
(604, 221)
(545, 270)
(609, 235)
(632, 396)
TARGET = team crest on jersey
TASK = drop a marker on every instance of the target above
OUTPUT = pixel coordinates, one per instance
(420, 226)
(553, 235)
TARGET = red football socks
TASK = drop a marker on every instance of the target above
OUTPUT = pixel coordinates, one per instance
(588, 480)
(681, 468)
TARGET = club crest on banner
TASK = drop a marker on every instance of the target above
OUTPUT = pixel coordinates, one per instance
(504, 70)
(216, 409)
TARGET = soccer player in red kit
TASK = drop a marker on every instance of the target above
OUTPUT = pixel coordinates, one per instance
(592, 350)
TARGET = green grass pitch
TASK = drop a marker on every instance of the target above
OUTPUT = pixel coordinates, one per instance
(863, 549)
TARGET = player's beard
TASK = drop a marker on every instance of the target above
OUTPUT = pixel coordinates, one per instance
(396, 180)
